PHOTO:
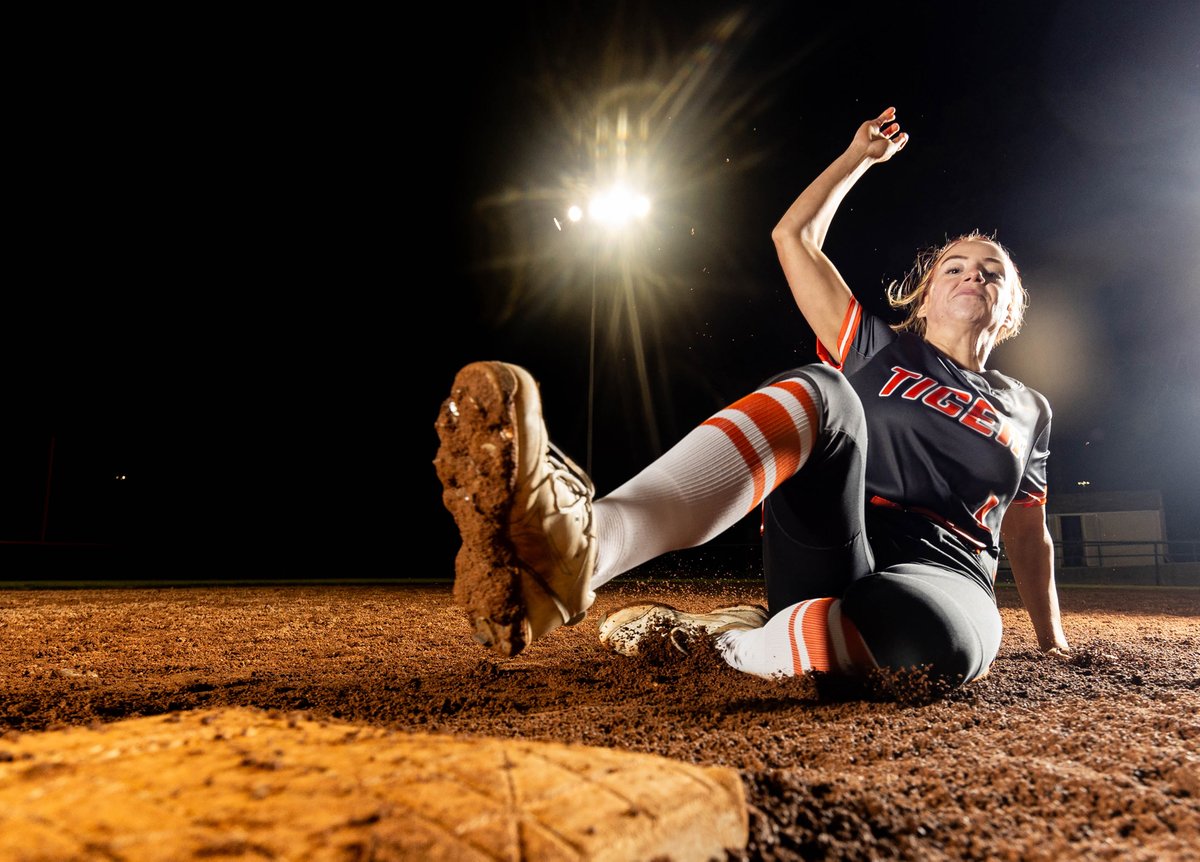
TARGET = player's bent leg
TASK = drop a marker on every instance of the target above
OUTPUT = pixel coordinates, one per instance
(921, 616)
(711, 478)
(523, 509)
(914, 616)
(807, 636)
(814, 542)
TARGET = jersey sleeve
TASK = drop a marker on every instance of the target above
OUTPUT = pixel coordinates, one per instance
(1032, 490)
(862, 336)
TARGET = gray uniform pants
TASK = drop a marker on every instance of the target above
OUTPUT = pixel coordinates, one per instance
(906, 594)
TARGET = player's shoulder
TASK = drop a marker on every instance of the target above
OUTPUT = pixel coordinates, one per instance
(871, 335)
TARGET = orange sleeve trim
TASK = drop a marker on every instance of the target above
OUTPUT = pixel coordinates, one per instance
(850, 322)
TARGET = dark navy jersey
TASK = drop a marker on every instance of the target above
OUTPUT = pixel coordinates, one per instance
(951, 445)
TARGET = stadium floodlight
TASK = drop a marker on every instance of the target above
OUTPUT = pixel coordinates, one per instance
(616, 207)
(612, 209)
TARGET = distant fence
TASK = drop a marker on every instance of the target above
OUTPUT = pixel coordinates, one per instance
(1127, 553)
(1174, 563)
(1157, 563)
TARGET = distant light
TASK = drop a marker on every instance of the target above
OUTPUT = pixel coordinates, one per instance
(1084, 482)
(615, 208)
(574, 213)
(120, 477)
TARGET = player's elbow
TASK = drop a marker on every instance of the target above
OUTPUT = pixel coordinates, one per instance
(790, 238)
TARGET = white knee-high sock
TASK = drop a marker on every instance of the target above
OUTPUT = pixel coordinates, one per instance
(711, 478)
(809, 635)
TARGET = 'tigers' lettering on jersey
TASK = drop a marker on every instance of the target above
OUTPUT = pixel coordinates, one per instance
(975, 413)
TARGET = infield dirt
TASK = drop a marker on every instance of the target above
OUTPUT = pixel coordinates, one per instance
(1096, 757)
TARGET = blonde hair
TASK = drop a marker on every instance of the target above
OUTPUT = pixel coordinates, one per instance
(909, 293)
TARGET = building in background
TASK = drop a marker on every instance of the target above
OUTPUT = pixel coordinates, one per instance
(1108, 528)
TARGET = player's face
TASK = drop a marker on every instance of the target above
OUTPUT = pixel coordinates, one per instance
(973, 285)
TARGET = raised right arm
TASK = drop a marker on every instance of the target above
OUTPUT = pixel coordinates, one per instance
(818, 288)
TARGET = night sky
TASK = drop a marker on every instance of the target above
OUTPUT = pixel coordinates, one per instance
(1070, 129)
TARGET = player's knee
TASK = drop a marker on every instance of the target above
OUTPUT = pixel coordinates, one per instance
(782, 375)
(843, 410)
(908, 627)
(843, 407)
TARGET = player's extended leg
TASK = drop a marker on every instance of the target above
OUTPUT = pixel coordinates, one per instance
(523, 509)
(530, 530)
(719, 472)
(814, 547)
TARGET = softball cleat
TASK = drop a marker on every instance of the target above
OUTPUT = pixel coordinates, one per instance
(522, 507)
(625, 629)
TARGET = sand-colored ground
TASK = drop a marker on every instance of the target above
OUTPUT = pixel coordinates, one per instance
(1093, 758)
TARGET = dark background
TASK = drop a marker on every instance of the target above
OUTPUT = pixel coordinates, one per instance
(1068, 128)
(249, 255)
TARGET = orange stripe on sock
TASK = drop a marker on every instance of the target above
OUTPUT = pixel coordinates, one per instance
(797, 665)
(800, 392)
(814, 628)
(780, 431)
(742, 444)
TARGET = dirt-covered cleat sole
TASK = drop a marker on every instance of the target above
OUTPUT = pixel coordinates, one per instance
(625, 629)
(523, 511)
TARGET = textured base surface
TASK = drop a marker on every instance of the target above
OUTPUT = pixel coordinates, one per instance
(241, 783)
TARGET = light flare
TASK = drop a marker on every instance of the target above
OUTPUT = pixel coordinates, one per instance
(634, 160)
